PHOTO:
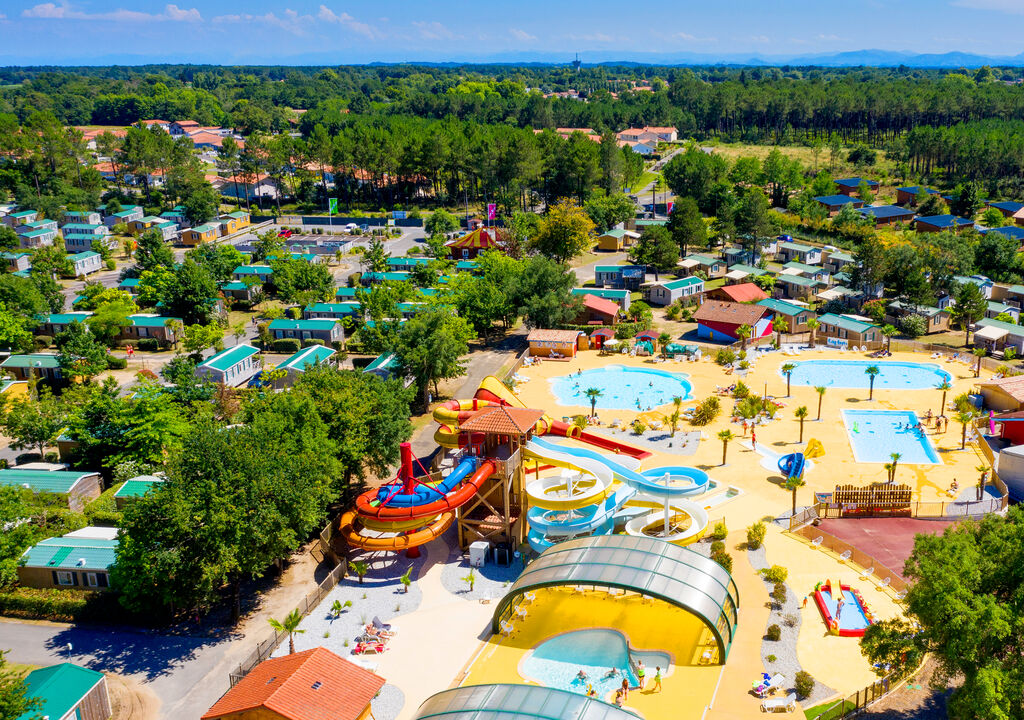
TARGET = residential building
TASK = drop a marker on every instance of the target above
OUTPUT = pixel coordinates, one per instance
(936, 319)
(796, 287)
(329, 331)
(332, 311)
(628, 277)
(741, 293)
(304, 359)
(849, 186)
(1011, 231)
(835, 203)
(234, 222)
(554, 343)
(665, 293)
(844, 330)
(207, 232)
(407, 264)
(134, 489)
(711, 267)
(182, 127)
(796, 315)
(887, 214)
(995, 309)
(836, 261)
(638, 224)
(40, 233)
(740, 273)
(263, 272)
(156, 327)
(1003, 394)
(79, 237)
(127, 214)
(263, 187)
(620, 297)
(369, 278)
(994, 334)
(640, 148)
(20, 217)
(849, 297)
(386, 366)
(17, 261)
(738, 256)
(140, 225)
(55, 323)
(39, 365)
(984, 284)
(939, 223)
(814, 272)
(129, 285)
(86, 262)
(469, 246)
(234, 366)
(469, 266)
(617, 239)
(68, 692)
(798, 252)
(721, 321)
(1012, 210)
(309, 685)
(80, 488)
(598, 311)
(908, 195)
(79, 560)
(77, 217)
(177, 216)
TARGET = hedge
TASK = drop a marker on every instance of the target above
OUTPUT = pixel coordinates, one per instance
(116, 363)
(314, 341)
(43, 341)
(286, 345)
(58, 605)
(149, 344)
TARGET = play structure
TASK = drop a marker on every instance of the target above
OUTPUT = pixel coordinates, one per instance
(792, 466)
(848, 618)
(499, 487)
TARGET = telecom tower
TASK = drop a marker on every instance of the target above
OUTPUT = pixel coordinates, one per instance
(576, 63)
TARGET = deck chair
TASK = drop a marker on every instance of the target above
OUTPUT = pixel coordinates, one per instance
(521, 612)
(845, 555)
(380, 625)
(885, 583)
(780, 704)
(867, 572)
(818, 541)
(506, 628)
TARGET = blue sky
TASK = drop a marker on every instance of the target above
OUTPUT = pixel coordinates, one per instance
(282, 31)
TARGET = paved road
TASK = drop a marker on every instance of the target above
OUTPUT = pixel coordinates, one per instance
(586, 273)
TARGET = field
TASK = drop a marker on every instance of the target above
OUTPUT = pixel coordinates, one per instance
(804, 154)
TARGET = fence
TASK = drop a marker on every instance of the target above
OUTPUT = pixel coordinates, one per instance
(266, 647)
(858, 557)
(861, 699)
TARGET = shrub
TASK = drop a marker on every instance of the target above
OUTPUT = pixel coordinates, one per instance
(725, 356)
(149, 344)
(106, 518)
(755, 535)
(790, 620)
(285, 345)
(804, 683)
(717, 546)
(58, 605)
(111, 264)
(720, 532)
(43, 341)
(706, 411)
(771, 658)
(638, 427)
(779, 594)
(724, 559)
(740, 391)
(913, 326)
(672, 313)
(314, 341)
(116, 363)
(774, 633)
(775, 574)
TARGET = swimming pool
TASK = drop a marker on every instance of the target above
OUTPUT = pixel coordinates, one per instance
(850, 374)
(556, 662)
(622, 388)
(853, 619)
(877, 434)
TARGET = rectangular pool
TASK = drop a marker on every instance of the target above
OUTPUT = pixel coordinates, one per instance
(876, 434)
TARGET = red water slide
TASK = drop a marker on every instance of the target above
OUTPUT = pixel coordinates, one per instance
(460, 496)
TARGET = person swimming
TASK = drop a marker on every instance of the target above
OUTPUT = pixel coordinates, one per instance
(613, 672)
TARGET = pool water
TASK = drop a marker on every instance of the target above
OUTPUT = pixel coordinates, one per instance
(850, 374)
(556, 662)
(876, 434)
(853, 616)
(622, 388)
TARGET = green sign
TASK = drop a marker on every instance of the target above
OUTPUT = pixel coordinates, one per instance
(332, 205)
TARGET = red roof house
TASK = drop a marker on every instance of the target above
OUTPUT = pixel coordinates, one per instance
(741, 293)
(310, 685)
(717, 320)
(598, 311)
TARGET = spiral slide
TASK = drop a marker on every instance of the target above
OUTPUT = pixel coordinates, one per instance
(792, 465)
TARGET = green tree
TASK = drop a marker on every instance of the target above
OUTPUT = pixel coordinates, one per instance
(375, 259)
(289, 625)
(801, 414)
(607, 211)
(821, 390)
(14, 330)
(192, 294)
(15, 701)
(966, 200)
(440, 223)
(592, 395)
(9, 240)
(153, 251)
(965, 418)
(542, 293)
(33, 423)
(430, 347)
(969, 306)
(743, 332)
(565, 232)
(656, 249)
(945, 387)
(793, 484)
(200, 337)
(79, 353)
(889, 332)
(111, 318)
(725, 436)
(696, 174)
(687, 226)
(752, 219)
(201, 203)
(780, 325)
(872, 371)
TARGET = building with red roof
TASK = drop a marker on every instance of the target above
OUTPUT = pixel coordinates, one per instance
(310, 685)
(598, 311)
(741, 293)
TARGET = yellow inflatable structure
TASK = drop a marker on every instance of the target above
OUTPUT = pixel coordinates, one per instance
(814, 448)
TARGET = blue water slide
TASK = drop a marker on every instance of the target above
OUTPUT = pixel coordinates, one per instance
(424, 493)
(648, 482)
(539, 543)
(581, 520)
(792, 465)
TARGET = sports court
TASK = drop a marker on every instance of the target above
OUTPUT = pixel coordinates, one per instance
(888, 540)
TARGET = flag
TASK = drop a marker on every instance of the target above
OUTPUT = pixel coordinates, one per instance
(671, 204)
(332, 206)
(492, 211)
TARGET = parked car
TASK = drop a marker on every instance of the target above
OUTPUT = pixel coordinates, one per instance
(285, 234)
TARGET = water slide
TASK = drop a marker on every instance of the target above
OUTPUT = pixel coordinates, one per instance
(792, 465)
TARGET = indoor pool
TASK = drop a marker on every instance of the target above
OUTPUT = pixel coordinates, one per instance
(556, 662)
(876, 434)
(850, 374)
(622, 388)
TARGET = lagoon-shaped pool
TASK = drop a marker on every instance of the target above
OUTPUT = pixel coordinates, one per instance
(622, 388)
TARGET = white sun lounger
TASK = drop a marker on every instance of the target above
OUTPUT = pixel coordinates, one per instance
(845, 555)
(867, 572)
(781, 704)
(506, 628)
(818, 541)
(885, 583)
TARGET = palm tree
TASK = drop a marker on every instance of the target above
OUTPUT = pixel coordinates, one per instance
(781, 325)
(469, 579)
(895, 457)
(888, 331)
(406, 579)
(945, 387)
(872, 372)
(813, 324)
(725, 436)
(792, 484)
(677, 401)
(592, 395)
(787, 370)
(801, 415)
(289, 625)
(743, 332)
(983, 469)
(979, 353)
(360, 569)
(820, 389)
(964, 418)
(664, 340)
(673, 420)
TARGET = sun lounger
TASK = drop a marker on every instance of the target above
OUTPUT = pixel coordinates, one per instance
(521, 612)
(901, 595)
(769, 687)
(782, 704)
(369, 648)
(867, 572)
(380, 625)
(818, 541)
(530, 597)
(506, 628)
(845, 555)
(885, 583)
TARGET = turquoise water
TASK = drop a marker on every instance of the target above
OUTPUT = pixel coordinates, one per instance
(622, 388)
(556, 662)
(850, 374)
(853, 616)
(876, 434)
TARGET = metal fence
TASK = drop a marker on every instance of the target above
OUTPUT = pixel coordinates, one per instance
(859, 700)
(266, 647)
(824, 540)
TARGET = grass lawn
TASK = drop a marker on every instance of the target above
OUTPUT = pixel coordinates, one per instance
(815, 711)
(715, 283)
(805, 155)
(647, 178)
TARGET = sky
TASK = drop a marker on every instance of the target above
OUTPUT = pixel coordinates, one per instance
(332, 32)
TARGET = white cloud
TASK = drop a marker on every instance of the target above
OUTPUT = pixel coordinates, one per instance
(433, 31)
(291, 21)
(1008, 6)
(694, 38)
(521, 35)
(65, 11)
(327, 15)
(828, 38)
(760, 38)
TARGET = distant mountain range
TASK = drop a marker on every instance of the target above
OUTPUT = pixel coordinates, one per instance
(853, 58)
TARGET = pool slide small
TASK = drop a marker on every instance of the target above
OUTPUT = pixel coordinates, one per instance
(792, 465)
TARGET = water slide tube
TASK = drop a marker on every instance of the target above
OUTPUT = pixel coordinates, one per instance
(427, 501)
(349, 529)
(792, 465)
(546, 526)
(644, 525)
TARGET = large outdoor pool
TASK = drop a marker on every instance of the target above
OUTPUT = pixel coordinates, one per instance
(622, 388)
(556, 662)
(850, 374)
(876, 434)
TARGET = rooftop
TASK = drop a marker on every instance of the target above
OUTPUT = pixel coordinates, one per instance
(681, 283)
(886, 211)
(854, 182)
(796, 247)
(307, 356)
(503, 420)
(137, 486)
(782, 307)
(254, 270)
(71, 552)
(748, 269)
(743, 292)
(31, 360)
(230, 357)
(59, 688)
(729, 312)
(564, 336)
(320, 324)
(846, 323)
(837, 199)
(600, 304)
(945, 221)
(53, 481)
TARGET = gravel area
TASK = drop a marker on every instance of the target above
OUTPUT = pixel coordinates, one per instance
(388, 703)
(784, 650)
(684, 443)
(491, 583)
